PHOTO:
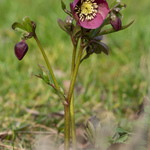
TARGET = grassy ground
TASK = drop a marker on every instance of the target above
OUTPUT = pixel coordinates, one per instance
(117, 82)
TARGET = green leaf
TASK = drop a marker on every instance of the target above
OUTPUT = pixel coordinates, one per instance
(113, 4)
(26, 21)
(104, 48)
(63, 6)
(67, 27)
(111, 30)
(45, 75)
(77, 31)
(99, 47)
(61, 25)
(120, 130)
(122, 138)
(89, 51)
(18, 27)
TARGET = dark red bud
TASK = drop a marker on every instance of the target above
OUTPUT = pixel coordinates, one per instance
(116, 23)
(21, 49)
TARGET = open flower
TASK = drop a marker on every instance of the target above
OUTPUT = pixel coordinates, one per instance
(89, 13)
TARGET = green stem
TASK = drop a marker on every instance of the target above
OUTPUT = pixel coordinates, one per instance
(67, 127)
(72, 119)
(71, 89)
(72, 116)
(47, 62)
(67, 107)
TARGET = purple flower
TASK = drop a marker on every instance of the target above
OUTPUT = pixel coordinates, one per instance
(89, 13)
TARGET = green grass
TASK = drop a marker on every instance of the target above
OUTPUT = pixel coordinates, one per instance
(117, 82)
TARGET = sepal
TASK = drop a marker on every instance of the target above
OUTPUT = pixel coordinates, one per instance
(26, 21)
(27, 27)
(18, 27)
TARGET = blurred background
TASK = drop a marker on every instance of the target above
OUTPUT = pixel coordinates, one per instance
(115, 83)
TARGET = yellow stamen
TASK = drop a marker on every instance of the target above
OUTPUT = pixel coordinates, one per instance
(87, 10)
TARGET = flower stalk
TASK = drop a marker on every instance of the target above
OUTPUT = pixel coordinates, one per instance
(69, 116)
(72, 116)
(47, 61)
(75, 73)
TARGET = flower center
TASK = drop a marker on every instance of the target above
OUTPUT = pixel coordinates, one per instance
(86, 10)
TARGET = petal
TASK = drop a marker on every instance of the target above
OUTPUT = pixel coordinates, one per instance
(103, 8)
(73, 12)
(74, 3)
(92, 24)
(100, 1)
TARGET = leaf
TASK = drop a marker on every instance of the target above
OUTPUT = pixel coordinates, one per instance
(45, 75)
(77, 31)
(95, 47)
(89, 51)
(26, 21)
(63, 6)
(111, 30)
(114, 3)
(18, 27)
(99, 47)
(61, 25)
(120, 130)
(67, 27)
(122, 138)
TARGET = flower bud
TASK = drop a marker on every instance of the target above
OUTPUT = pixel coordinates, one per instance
(69, 20)
(21, 49)
(69, 23)
(115, 21)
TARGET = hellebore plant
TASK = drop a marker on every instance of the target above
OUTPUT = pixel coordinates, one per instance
(89, 14)
(85, 24)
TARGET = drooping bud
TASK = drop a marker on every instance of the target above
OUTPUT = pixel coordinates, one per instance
(21, 49)
(115, 22)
